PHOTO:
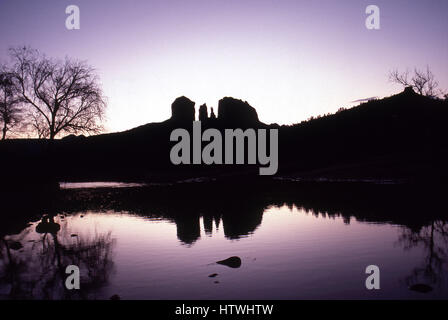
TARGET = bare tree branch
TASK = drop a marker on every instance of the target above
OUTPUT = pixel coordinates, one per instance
(63, 96)
(423, 82)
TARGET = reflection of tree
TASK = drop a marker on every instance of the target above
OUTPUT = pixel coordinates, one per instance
(11, 270)
(434, 241)
(38, 271)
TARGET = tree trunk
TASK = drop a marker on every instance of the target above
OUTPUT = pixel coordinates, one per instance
(4, 132)
(52, 126)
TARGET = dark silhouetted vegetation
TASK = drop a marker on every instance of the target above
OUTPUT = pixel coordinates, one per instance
(11, 112)
(422, 81)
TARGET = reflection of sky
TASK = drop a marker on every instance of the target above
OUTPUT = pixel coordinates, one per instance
(289, 59)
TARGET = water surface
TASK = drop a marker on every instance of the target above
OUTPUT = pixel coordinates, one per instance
(287, 252)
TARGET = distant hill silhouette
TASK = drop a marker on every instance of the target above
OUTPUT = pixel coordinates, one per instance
(399, 137)
(402, 136)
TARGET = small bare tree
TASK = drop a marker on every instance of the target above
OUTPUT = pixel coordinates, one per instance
(10, 110)
(423, 82)
(38, 125)
(63, 96)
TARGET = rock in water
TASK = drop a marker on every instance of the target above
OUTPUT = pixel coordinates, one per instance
(232, 262)
(420, 287)
(47, 225)
(213, 275)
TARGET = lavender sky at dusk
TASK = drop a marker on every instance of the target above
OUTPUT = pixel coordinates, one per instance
(289, 59)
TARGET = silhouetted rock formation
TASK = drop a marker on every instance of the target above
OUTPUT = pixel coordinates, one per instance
(182, 110)
(203, 113)
(232, 113)
(212, 114)
(399, 137)
(237, 113)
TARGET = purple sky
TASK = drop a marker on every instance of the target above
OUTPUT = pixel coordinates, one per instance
(289, 59)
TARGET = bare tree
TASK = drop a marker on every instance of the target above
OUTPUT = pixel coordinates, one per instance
(63, 96)
(423, 82)
(10, 111)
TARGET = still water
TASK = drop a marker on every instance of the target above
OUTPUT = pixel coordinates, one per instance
(286, 252)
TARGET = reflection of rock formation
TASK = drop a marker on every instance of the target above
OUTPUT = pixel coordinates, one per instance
(242, 222)
(188, 228)
(240, 206)
(237, 223)
(208, 224)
